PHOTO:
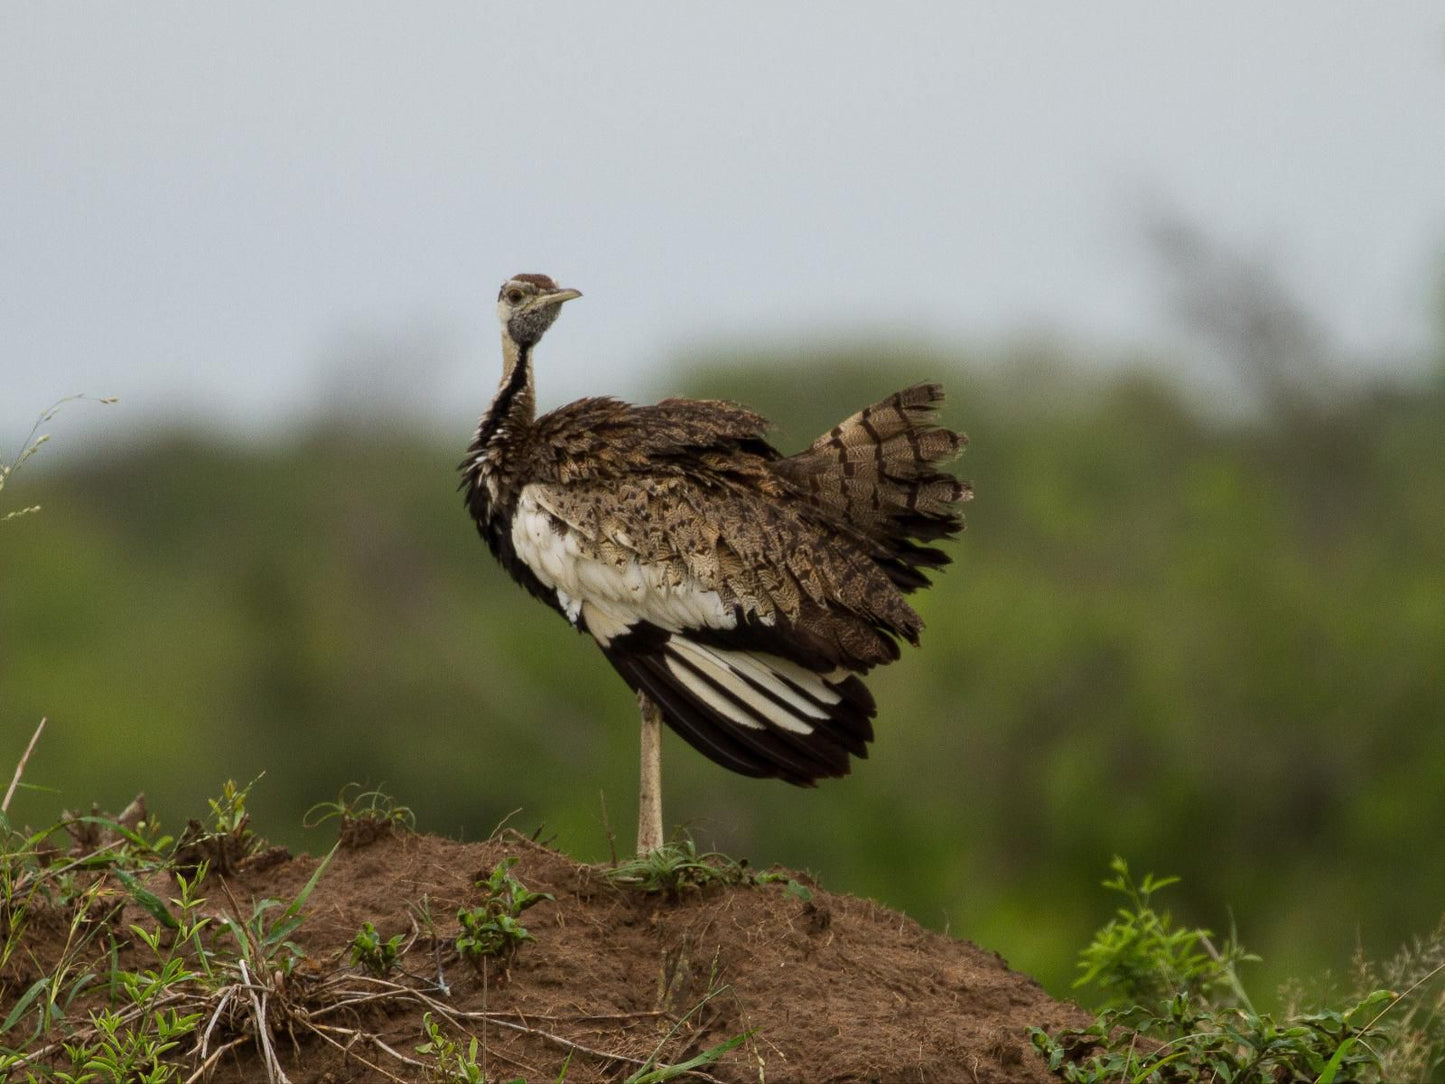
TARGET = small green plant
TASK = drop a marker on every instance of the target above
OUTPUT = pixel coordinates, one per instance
(675, 868)
(373, 955)
(365, 816)
(1408, 1034)
(1141, 957)
(200, 984)
(32, 443)
(22, 885)
(652, 1072)
(228, 812)
(128, 1043)
(1176, 1012)
(791, 885)
(492, 928)
(225, 840)
(451, 1063)
(150, 1011)
(81, 892)
(49, 998)
(263, 939)
(123, 1051)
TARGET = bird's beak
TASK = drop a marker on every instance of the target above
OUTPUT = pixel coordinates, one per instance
(559, 296)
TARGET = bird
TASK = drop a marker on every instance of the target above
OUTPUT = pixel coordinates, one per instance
(742, 594)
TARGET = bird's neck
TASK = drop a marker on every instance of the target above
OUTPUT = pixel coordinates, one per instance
(515, 405)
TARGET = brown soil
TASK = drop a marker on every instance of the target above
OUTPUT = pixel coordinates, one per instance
(836, 988)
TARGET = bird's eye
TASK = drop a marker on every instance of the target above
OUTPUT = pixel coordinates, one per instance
(514, 295)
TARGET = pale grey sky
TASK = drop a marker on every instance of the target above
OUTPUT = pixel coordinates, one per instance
(222, 212)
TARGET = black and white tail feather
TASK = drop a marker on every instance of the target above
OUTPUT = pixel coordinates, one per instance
(756, 713)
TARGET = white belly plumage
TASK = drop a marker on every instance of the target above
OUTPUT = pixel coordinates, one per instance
(619, 594)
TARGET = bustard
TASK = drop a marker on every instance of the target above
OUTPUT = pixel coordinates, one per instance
(739, 592)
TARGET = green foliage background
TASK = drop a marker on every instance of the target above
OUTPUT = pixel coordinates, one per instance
(1213, 645)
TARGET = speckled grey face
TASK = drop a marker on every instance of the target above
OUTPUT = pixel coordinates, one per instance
(528, 326)
(528, 304)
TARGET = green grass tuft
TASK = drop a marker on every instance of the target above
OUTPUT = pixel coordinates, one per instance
(1176, 1012)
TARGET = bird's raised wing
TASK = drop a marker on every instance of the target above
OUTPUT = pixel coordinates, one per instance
(742, 620)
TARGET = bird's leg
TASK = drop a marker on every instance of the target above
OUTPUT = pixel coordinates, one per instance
(649, 794)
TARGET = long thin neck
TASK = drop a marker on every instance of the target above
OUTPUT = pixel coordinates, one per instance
(515, 406)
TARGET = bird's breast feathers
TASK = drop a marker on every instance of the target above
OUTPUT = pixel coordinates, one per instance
(603, 584)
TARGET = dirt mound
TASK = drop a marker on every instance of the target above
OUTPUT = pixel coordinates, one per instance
(825, 987)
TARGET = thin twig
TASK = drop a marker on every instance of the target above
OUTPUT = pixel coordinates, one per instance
(436, 950)
(351, 1054)
(215, 1056)
(274, 1073)
(1421, 981)
(456, 1016)
(503, 823)
(579, 1017)
(348, 998)
(20, 768)
(211, 1024)
(396, 1053)
(356, 1034)
(34, 1056)
(607, 827)
(485, 1044)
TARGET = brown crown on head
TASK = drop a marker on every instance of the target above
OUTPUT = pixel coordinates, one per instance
(542, 282)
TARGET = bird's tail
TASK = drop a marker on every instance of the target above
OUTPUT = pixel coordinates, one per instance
(878, 472)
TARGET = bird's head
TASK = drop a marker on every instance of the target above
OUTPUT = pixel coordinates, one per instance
(527, 305)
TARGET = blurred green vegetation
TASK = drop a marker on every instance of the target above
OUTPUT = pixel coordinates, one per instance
(1212, 644)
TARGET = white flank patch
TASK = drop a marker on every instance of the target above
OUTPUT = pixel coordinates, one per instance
(724, 667)
(603, 625)
(570, 606)
(620, 594)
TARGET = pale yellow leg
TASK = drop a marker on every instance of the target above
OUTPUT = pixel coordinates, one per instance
(649, 795)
